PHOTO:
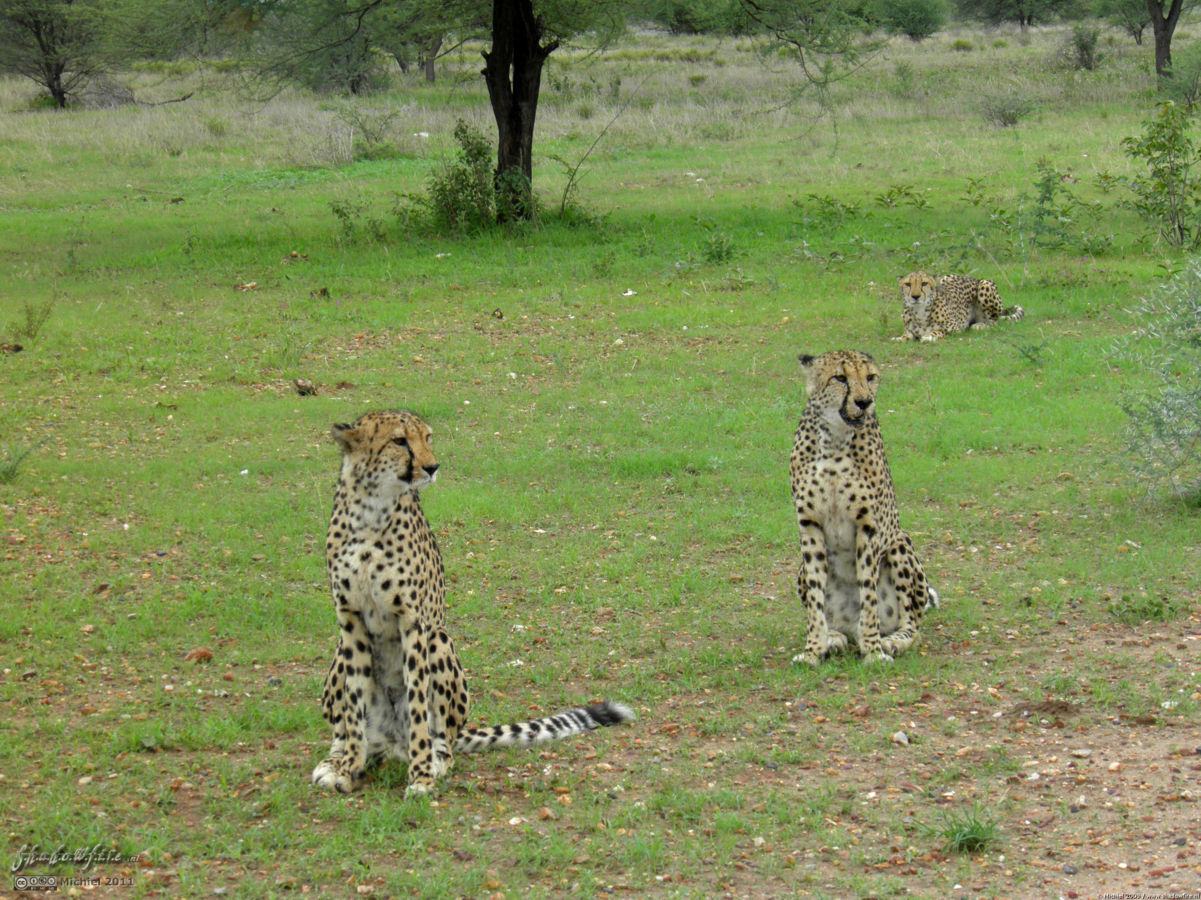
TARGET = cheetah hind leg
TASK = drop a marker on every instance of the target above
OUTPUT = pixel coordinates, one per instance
(818, 636)
(330, 772)
(450, 702)
(910, 595)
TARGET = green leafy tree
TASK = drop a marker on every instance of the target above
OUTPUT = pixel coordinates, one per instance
(698, 16)
(825, 38)
(1164, 435)
(62, 44)
(1023, 12)
(1168, 194)
(58, 44)
(327, 38)
(1130, 16)
(326, 45)
(916, 19)
(1164, 16)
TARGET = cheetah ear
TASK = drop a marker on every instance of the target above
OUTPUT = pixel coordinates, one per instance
(806, 359)
(866, 356)
(344, 435)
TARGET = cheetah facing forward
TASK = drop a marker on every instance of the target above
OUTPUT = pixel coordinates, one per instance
(953, 303)
(859, 575)
(396, 688)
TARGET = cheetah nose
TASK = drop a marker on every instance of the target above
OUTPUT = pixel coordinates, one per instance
(431, 470)
(863, 403)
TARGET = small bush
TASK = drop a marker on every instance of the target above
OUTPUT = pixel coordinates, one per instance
(962, 45)
(369, 130)
(703, 17)
(10, 464)
(1007, 110)
(355, 225)
(1184, 87)
(1079, 51)
(905, 79)
(718, 246)
(967, 830)
(916, 19)
(462, 197)
(1164, 432)
(1137, 610)
(33, 319)
(1168, 195)
(1053, 208)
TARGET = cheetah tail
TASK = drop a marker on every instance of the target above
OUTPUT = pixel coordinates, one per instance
(537, 731)
(1012, 312)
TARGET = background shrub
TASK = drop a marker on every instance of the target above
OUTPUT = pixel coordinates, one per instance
(1164, 434)
(1168, 195)
(916, 19)
(462, 197)
(1184, 87)
(1080, 49)
(1006, 110)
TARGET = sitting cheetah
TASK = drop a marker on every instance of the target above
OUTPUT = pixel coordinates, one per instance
(955, 303)
(396, 688)
(859, 575)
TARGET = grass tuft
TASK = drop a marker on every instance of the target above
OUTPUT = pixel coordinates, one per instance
(967, 830)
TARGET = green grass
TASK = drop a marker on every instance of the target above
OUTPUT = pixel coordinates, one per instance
(613, 397)
(970, 830)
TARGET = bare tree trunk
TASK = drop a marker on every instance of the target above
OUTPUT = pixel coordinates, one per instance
(54, 83)
(1163, 26)
(513, 73)
(430, 56)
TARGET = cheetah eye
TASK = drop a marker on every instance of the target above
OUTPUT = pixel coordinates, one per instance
(872, 378)
(841, 379)
(401, 442)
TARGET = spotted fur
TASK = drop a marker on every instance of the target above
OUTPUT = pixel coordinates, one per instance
(859, 575)
(954, 303)
(396, 688)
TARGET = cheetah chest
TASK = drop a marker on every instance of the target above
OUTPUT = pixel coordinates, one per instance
(392, 591)
(836, 496)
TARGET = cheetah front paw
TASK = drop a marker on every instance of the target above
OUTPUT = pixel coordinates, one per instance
(837, 643)
(421, 788)
(876, 656)
(815, 650)
(895, 647)
(335, 774)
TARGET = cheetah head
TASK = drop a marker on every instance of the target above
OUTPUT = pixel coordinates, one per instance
(842, 384)
(389, 452)
(917, 286)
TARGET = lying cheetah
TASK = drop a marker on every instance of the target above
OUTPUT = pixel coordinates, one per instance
(396, 688)
(859, 575)
(955, 303)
